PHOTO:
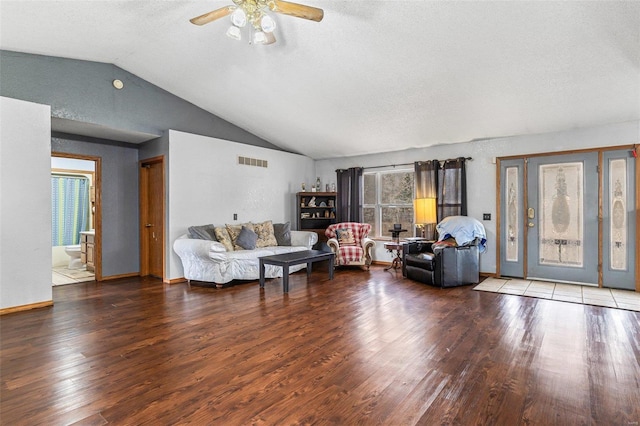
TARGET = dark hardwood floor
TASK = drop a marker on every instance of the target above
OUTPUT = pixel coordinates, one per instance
(365, 348)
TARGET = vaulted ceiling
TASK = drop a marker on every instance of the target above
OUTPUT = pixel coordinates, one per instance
(373, 76)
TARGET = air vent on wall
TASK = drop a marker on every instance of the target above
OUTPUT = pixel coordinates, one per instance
(246, 161)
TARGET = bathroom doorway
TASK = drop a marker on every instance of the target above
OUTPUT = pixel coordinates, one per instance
(76, 218)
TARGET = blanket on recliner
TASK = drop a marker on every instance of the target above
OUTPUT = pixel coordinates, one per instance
(466, 230)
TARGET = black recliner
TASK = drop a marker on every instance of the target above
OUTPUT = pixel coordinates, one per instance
(440, 266)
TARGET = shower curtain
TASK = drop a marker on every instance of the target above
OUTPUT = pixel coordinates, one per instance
(70, 209)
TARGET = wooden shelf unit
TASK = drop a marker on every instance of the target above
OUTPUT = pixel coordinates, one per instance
(319, 218)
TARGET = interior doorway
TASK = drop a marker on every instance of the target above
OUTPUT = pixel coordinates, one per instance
(77, 256)
(152, 222)
(569, 217)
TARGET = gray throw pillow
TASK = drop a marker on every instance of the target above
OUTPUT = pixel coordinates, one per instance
(247, 239)
(203, 232)
(282, 231)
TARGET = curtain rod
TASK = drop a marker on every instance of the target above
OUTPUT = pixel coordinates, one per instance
(411, 164)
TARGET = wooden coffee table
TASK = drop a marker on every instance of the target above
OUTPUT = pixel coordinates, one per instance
(288, 259)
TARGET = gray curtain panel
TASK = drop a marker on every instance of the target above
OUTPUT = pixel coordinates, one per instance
(452, 188)
(446, 181)
(426, 186)
(426, 178)
(349, 204)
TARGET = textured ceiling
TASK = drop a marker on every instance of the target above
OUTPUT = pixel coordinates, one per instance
(373, 76)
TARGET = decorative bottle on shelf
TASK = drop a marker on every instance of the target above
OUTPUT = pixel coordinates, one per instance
(318, 185)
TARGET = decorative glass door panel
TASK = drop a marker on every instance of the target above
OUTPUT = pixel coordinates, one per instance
(512, 227)
(562, 209)
(619, 225)
(513, 214)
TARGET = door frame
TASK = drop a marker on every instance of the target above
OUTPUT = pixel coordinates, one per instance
(631, 148)
(97, 215)
(144, 211)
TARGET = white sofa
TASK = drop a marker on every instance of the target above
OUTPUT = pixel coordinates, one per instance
(210, 261)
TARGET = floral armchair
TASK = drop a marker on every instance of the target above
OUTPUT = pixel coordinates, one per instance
(350, 242)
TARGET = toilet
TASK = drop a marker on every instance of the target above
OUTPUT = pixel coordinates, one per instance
(74, 253)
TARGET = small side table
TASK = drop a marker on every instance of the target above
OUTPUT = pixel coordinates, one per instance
(397, 261)
(395, 234)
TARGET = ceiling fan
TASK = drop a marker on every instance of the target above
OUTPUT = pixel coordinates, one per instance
(255, 12)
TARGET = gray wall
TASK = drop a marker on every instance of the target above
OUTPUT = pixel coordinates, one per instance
(120, 224)
(82, 91)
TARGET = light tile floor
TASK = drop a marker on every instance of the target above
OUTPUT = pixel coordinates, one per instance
(61, 275)
(612, 298)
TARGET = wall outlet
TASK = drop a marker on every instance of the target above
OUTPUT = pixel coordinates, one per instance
(235, 216)
(486, 216)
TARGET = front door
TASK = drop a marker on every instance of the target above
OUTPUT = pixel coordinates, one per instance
(562, 218)
(549, 209)
(152, 217)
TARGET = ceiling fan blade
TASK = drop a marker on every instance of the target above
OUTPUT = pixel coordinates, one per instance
(213, 15)
(297, 10)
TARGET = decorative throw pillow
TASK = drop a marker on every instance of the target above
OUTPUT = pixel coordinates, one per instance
(234, 232)
(266, 237)
(282, 233)
(345, 237)
(203, 232)
(223, 236)
(247, 239)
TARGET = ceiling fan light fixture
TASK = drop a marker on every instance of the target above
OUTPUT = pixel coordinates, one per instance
(255, 12)
(259, 37)
(270, 38)
(234, 33)
(239, 18)
(267, 24)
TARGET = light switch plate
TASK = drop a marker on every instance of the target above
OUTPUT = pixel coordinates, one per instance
(486, 216)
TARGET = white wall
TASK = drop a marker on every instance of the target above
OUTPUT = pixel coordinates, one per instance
(72, 164)
(208, 185)
(481, 172)
(25, 203)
